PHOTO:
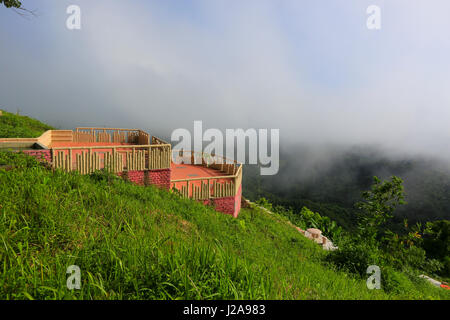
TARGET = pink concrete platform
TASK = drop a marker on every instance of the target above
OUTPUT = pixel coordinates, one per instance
(189, 171)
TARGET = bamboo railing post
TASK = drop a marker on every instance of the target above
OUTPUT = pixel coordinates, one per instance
(209, 190)
(149, 165)
(187, 188)
(70, 159)
(82, 162)
(88, 161)
(113, 160)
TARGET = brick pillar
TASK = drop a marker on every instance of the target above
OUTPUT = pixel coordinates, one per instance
(160, 178)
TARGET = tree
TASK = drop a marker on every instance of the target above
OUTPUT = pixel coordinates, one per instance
(379, 205)
(16, 6)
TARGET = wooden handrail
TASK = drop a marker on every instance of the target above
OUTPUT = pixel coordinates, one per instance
(204, 153)
(96, 128)
(126, 146)
(204, 178)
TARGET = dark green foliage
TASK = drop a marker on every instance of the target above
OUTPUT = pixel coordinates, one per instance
(314, 220)
(17, 160)
(436, 242)
(307, 219)
(401, 257)
(405, 250)
(11, 3)
(396, 282)
(395, 252)
(378, 205)
(16, 126)
(355, 255)
(332, 187)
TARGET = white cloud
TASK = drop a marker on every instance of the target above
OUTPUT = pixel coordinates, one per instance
(311, 69)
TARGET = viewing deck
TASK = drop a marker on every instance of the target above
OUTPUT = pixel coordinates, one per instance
(140, 158)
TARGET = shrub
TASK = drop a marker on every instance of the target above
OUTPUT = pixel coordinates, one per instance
(393, 281)
(17, 160)
(263, 202)
(328, 227)
(405, 252)
(437, 243)
(355, 256)
(309, 219)
(103, 176)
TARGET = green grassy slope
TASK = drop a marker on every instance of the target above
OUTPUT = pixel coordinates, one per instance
(17, 126)
(134, 242)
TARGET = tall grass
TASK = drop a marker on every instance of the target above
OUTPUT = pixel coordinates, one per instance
(134, 242)
(17, 126)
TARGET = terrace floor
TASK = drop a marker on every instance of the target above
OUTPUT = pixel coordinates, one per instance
(189, 171)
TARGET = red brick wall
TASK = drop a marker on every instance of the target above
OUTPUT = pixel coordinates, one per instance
(225, 205)
(237, 202)
(38, 154)
(134, 176)
(228, 205)
(160, 178)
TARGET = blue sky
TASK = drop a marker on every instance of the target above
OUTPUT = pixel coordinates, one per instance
(310, 68)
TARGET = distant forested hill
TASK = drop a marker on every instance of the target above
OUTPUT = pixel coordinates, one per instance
(331, 183)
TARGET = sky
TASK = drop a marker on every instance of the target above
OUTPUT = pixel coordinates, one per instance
(309, 68)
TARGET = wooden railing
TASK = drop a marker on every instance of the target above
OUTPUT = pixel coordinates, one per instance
(112, 158)
(209, 188)
(217, 162)
(203, 188)
(156, 140)
(108, 135)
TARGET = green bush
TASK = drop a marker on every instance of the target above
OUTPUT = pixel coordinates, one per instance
(415, 257)
(17, 160)
(405, 252)
(307, 219)
(437, 244)
(393, 281)
(263, 202)
(355, 256)
(314, 220)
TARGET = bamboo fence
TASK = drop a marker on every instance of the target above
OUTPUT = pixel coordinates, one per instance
(111, 135)
(203, 188)
(112, 158)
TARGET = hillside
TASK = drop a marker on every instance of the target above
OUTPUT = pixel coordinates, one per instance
(17, 126)
(135, 242)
